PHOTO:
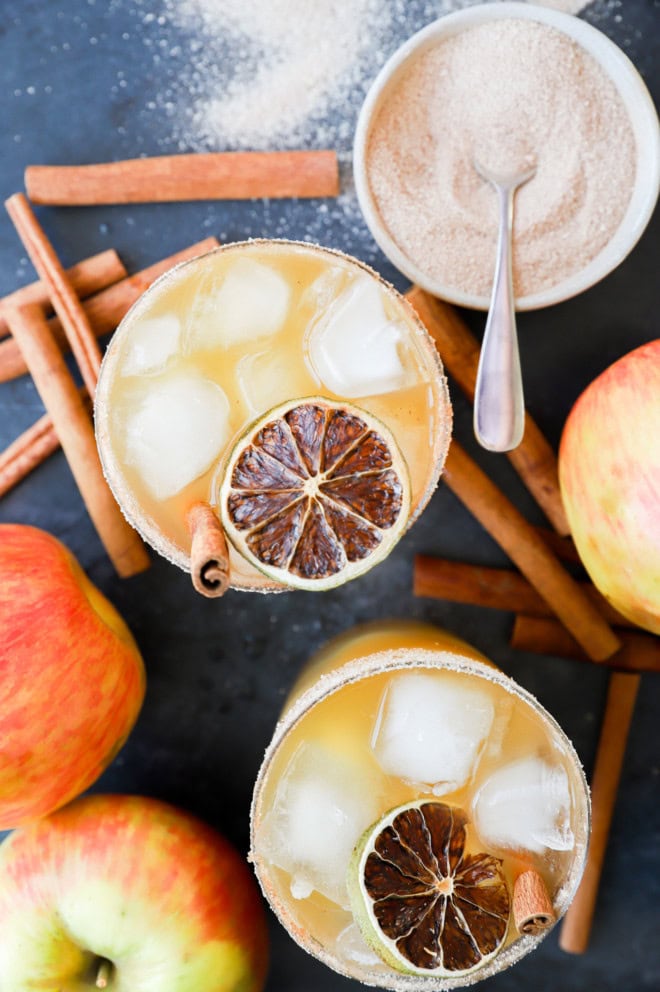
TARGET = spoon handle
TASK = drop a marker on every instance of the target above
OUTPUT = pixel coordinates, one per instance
(499, 410)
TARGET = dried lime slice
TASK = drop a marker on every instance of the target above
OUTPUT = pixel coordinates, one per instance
(423, 904)
(315, 493)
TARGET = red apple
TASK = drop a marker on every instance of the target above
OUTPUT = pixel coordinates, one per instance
(71, 677)
(609, 470)
(131, 892)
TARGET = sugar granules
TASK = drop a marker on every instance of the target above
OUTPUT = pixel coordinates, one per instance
(287, 73)
(502, 91)
(282, 64)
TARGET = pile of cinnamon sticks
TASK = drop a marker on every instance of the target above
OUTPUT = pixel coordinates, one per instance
(555, 614)
(70, 309)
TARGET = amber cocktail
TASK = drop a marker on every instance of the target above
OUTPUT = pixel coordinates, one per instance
(419, 820)
(220, 341)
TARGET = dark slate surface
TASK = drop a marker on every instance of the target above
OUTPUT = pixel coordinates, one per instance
(77, 83)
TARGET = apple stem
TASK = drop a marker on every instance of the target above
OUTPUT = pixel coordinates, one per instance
(103, 974)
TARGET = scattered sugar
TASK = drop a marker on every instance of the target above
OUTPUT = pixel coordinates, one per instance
(502, 92)
(285, 73)
(205, 51)
(288, 64)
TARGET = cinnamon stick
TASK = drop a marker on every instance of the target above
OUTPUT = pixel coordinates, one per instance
(621, 695)
(65, 302)
(530, 553)
(74, 429)
(86, 278)
(533, 459)
(32, 447)
(533, 911)
(563, 547)
(104, 310)
(640, 652)
(30, 450)
(209, 555)
(38, 442)
(213, 176)
(497, 588)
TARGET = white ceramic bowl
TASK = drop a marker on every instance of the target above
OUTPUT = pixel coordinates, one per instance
(635, 97)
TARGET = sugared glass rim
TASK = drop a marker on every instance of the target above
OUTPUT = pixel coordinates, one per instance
(400, 659)
(129, 505)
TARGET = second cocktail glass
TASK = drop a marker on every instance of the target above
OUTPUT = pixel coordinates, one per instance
(419, 819)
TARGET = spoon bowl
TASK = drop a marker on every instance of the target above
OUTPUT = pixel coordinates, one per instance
(506, 179)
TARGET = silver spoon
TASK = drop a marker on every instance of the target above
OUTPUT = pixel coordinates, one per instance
(499, 408)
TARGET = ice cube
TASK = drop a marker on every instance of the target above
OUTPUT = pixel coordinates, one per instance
(176, 429)
(351, 946)
(272, 377)
(525, 806)
(251, 302)
(503, 714)
(354, 348)
(322, 806)
(320, 293)
(150, 344)
(431, 729)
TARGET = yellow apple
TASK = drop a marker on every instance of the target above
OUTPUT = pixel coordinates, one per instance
(609, 471)
(132, 893)
(71, 677)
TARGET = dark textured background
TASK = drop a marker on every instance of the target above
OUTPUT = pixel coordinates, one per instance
(218, 671)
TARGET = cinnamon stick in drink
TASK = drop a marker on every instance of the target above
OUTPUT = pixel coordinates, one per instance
(621, 695)
(533, 911)
(210, 176)
(209, 554)
(104, 310)
(533, 459)
(530, 553)
(640, 652)
(74, 429)
(498, 588)
(86, 278)
(63, 297)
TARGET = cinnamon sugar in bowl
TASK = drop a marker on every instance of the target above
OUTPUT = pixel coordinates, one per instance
(507, 83)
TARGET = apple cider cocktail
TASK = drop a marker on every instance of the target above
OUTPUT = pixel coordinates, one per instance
(291, 389)
(419, 819)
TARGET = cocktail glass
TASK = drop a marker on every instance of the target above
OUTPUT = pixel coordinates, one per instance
(220, 340)
(397, 713)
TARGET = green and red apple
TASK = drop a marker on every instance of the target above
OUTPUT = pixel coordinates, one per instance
(128, 894)
(71, 677)
(609, 471)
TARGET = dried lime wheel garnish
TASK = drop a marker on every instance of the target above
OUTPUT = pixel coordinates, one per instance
(315, 493)
(423, 904)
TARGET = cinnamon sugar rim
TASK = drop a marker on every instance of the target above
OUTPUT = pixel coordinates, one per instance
(145, 525)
